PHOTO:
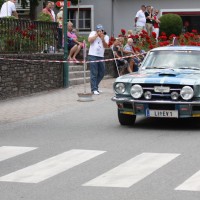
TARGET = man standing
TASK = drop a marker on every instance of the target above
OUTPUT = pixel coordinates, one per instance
(149, 20)
(8, 9)
(140, 19)
(98, 43)
(156, 23)
(59, 19)
(47, 10)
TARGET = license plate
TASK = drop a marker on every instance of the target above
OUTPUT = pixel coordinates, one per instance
(161, 89)
(163, 113)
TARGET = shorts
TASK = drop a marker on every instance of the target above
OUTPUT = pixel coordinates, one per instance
(71, 44)
(122, 63)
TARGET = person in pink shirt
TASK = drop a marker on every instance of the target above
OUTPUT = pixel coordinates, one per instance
(156, 23)
(74, 46)
(47, 10)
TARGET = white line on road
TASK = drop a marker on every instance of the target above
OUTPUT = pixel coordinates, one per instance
(7, 152)
(51, 167)
(191, 184)
(132, 171)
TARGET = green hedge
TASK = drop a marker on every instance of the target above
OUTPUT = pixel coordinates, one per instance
(171, 24)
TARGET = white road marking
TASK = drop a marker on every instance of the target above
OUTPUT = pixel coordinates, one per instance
(7, 152)
(191, 184)
(132, 171)
(51, 167)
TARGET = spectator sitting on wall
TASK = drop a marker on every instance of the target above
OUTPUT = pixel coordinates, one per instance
(128, 49)
(129, 33)
(74, 46)
(121, 63)
(9, 9)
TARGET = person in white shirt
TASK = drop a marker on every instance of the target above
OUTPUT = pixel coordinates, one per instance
(9, 9)
(98, 43)
(140, 19)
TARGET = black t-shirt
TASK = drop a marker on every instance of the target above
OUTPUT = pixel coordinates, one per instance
(148, 20)
(116, 49)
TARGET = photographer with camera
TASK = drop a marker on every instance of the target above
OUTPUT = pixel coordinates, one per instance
(98, 43)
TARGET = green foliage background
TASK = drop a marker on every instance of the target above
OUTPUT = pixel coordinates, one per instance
(1, 3)
(171, 24)
(44, 17)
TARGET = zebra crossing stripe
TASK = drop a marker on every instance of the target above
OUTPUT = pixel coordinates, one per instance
(51, 167)
(132, 171)
(191, 184)
(7, 152)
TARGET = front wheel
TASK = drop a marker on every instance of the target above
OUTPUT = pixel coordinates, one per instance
(126, 119)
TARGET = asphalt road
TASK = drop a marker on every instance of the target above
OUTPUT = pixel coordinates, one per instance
(80, 152)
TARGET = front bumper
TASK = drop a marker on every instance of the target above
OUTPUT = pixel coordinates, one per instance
(127, 105)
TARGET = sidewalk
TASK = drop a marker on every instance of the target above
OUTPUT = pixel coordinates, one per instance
(27, 107)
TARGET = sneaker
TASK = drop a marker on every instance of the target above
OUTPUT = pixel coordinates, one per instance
(96, 92)
(100, 91)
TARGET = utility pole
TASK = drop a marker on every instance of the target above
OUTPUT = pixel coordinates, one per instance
(66, 65)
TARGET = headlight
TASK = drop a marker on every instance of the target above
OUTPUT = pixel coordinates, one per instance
(136, 91)
(120, 88)
(187, 93)
(147, 95)
(174, 95)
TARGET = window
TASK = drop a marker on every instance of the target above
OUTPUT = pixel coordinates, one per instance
(84, 19)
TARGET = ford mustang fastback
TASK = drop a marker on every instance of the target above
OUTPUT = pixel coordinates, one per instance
(167, 85)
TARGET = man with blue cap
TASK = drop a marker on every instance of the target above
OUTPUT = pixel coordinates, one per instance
(98, 43)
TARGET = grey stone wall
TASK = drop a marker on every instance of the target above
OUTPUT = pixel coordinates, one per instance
(19, 78)
(27, 75)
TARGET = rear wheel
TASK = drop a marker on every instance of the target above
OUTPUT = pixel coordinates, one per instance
(126, 119)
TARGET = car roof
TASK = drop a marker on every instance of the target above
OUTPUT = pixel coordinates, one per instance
(176, 48)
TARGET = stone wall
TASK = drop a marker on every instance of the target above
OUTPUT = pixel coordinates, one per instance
(19, 78)
(27, 75)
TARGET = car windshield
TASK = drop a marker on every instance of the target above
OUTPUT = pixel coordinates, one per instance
(183, 59)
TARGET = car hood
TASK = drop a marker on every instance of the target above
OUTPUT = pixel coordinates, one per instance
(166, 76)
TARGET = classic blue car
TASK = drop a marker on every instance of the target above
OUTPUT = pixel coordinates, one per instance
(167, 85)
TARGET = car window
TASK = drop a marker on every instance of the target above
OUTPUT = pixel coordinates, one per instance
(172, 59)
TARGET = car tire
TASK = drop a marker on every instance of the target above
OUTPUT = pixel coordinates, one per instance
(126, 119)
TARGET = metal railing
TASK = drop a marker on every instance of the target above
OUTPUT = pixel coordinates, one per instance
(20, 36)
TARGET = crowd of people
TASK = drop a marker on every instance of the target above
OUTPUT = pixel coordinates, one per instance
(147, 18)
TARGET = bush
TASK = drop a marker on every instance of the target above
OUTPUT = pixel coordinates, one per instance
(44, 17)
(171, 24)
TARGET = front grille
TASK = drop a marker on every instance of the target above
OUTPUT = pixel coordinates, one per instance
(158, 95)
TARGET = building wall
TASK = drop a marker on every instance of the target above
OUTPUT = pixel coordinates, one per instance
(102, 13)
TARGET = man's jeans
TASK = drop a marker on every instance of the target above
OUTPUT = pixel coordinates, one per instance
(97, 70)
